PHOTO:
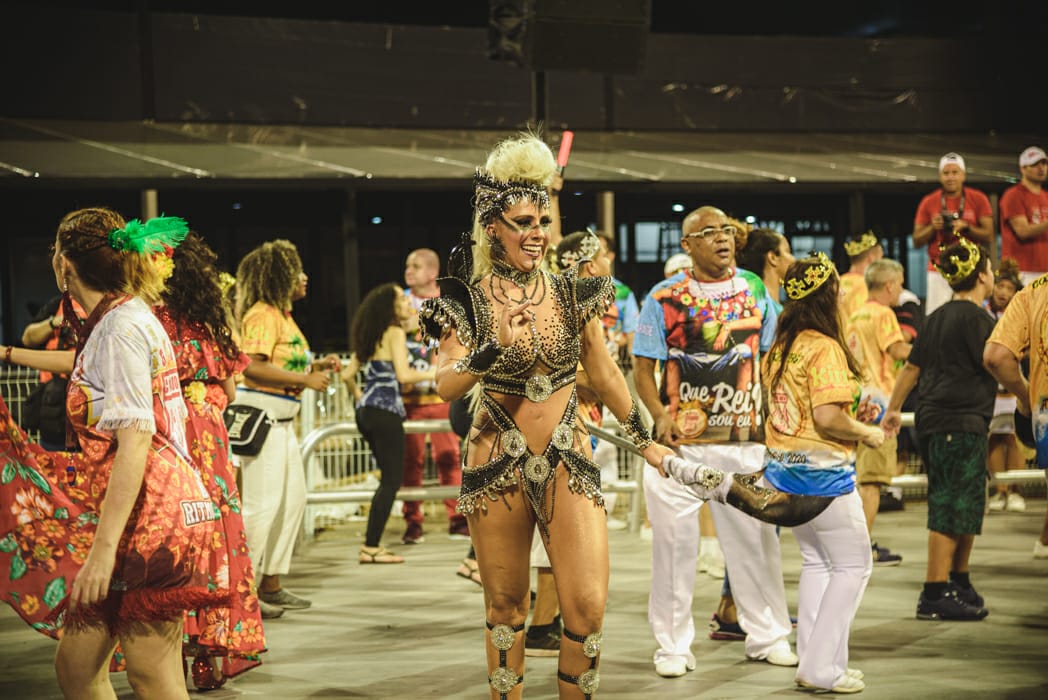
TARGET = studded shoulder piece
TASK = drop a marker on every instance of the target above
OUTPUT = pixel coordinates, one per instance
(593, 296)
(453, 308)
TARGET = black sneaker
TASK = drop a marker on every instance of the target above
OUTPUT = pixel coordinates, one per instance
(969, 595)
(543, 640)
(949, 607)
(882, 556)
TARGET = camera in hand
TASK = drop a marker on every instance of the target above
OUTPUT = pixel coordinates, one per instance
(948, 217)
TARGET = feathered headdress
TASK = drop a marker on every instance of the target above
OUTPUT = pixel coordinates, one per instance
(152, 236)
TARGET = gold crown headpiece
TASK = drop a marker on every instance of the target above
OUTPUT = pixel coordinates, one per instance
(814, 277)
(492, 197)
(865, 242)
(962, 268)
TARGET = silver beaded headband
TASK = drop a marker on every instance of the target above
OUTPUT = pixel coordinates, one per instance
(492, 197)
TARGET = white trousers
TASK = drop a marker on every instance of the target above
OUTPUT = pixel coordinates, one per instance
(836, 563)
(751, 554)
(273, 493)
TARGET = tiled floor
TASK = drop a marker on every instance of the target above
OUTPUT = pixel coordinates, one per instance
(415, 630)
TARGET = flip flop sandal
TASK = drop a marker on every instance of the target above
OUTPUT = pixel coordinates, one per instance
(380, 556)
(469, 571)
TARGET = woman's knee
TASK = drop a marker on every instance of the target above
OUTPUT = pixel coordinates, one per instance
(507, 606)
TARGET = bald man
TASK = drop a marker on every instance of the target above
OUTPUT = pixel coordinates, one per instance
(422, 402)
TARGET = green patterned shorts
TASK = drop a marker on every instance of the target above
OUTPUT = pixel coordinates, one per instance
(956, 466)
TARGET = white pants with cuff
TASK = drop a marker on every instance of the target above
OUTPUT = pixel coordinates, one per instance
(274, 489)
(751, 552)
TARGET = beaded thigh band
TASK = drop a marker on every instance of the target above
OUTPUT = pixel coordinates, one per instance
(504, 679)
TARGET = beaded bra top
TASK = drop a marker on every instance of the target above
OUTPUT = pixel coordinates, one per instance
(543, 359)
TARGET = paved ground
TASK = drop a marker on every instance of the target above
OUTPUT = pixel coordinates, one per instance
(415, 630)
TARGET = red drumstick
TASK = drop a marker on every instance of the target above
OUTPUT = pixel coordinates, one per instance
(565, 149)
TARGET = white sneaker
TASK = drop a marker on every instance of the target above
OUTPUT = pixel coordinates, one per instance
(855, 673)
(996, 502)
(712, 563)
(673, 667)
(1040, 551)
(846, 685)
(1015, 503)
(778, 657)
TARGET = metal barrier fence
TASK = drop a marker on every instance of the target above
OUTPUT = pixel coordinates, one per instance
(340, 476)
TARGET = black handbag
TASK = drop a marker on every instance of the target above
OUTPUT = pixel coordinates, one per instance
(248, 427)
(44, 409)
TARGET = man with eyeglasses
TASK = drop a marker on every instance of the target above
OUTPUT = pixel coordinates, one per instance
(703, 325)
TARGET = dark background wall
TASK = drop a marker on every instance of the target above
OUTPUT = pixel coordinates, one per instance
(743, 67)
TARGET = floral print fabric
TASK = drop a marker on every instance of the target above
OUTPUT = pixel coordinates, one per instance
(234, 632)
(49, 501)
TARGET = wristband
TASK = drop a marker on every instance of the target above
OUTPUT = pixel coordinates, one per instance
(51, 323)
(635, 429)
(7, 354)
(480, 360)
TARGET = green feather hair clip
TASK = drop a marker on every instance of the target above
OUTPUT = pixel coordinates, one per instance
(150, 237)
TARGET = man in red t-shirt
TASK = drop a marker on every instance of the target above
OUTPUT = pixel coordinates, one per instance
(953, 209)
(1024, 216)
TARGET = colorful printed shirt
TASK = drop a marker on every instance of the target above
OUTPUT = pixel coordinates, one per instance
(268, 331)
(712, 389)
(1024, 328)
(381, 389)
(800, 460)
(870, 332)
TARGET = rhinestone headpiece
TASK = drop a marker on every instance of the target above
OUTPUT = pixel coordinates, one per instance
(587, 249)
(865, 242)
(492, 197)
(814, 277)
(962, 268)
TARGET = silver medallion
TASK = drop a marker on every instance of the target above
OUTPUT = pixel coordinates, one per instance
(502, 637)
(589, 682)
(563, 436)
(537, 469)
(538, 388)
(591, 645)
(503, 680)
(513, 442)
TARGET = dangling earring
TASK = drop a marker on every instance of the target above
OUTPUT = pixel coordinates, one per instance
(498, 250)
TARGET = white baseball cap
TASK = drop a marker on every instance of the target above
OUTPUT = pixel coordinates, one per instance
(952, 158)
(676, 263)
(1032, 156)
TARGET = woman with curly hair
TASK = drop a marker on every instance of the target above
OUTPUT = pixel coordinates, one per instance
(128, 571)
(379, 345)
(269, 280)
(516, 333)
(223, 642)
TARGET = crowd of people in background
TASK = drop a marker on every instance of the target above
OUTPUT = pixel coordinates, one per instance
(745, 368)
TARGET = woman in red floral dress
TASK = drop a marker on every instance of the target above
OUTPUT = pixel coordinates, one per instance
(121, 549)
(193, 315)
